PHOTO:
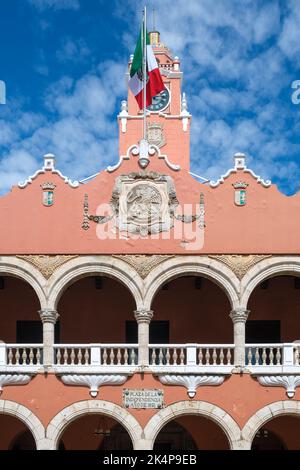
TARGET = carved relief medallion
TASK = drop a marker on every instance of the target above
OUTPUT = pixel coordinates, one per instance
(142, 202)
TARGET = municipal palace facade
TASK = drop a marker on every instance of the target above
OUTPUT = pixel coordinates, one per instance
(146, 308)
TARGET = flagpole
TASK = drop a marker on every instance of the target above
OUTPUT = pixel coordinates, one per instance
(145, 73)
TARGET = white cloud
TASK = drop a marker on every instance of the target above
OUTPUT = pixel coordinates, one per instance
(234, 62)
(81, 129)
(56, 4)
(72, 50)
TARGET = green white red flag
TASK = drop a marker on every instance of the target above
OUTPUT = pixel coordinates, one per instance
(154, 81)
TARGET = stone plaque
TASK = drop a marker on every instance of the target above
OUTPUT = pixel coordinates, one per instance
(140, 398)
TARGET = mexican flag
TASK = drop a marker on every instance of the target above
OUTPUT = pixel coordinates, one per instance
(154, 81)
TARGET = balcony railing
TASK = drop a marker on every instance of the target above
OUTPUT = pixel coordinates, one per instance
(104, 355)
(200, 356)
(281, 356)
(21, 355)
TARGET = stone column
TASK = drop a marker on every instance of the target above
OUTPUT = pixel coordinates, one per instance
(143, 318)
(239, 317)
(49, 318)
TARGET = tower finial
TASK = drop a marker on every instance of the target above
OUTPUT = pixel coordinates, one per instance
(154, 35)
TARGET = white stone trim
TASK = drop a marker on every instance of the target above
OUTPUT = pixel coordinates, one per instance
(191, 382)
(25, 415)
(267, 268)
(93, 381)
(134, 151)
(49, 167)
(198, 408)
(16, 267)
(69, 414)
(84, 266)
(178, 266)
(239, 159)
(267, 413)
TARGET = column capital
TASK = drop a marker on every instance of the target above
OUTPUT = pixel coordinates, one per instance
(48, 316)
(143, 316)
(239, 315)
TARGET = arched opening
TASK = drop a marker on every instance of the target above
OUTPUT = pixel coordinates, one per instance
(20, 323)
(191, 433)
(96, 309)
(19, 306)
(193, 309)
(280, 433)
(14, 435)
(95, 432)
(273, 317)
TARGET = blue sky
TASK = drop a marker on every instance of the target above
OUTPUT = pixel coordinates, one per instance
(64, 63)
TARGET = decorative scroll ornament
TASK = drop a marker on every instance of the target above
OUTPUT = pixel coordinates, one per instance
(94, 382)
(289, 382)
(47, 264)
(240, 193)
(143, 264)
(144, 151)
(240, 264)
(155, 135)
(14, 379)
(143, 203)
(48, 193)
(191, 382)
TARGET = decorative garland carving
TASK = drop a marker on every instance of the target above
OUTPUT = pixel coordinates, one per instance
(143, 264)
(191, 382)
(94, 381)
(239, 264)
(14, 379)
(289, 382)
(46, 264)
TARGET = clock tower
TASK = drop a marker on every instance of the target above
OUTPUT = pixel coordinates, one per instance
(168, 120)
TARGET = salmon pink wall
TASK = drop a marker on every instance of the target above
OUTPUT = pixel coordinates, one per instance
(45, 396)
(267, 224)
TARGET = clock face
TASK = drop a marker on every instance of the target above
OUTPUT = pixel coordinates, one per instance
(160, 101)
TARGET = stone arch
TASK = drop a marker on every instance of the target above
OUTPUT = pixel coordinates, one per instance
(83, 266)
(66, 416)
(25, 415)
(267, 268)
(265, 414)
(15, 267)
(192, 265)
(200, 408)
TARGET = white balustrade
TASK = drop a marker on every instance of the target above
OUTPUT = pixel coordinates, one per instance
(268, 355)
(95, 354)
(25, 355)
(191, 354)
